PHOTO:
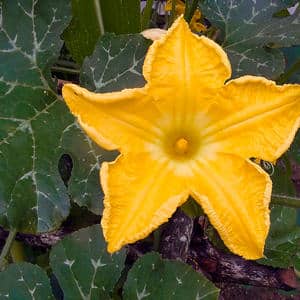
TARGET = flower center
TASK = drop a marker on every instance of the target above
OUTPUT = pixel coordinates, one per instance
(181, 146)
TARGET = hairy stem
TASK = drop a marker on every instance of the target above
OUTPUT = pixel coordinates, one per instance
(97, 6)
(285, 200)
(176, 237)
(67, 64)
(65, 70)
(172, 15)
(146, 16)
(223, 267)
(285, 76)
(7, 245)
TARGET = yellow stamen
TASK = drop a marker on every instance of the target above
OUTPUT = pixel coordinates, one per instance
(181, 146)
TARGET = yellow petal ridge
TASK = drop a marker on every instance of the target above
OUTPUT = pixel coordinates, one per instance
(138, 198)
(235, 194)
(114, 120)
(254, 117)
(172, 63)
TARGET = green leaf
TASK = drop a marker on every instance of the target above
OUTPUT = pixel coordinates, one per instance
(192, 209)
(36, 128)
(297, 267)
(153, 278)
(146, 15)
(282, 246)
(24, 281)
(289, 2)
(89, 18)
(116, 63)
(83, 267)
(248, 27)
(32, 195)
(84, 30)
(282, 178)
(294, 150)
(84, 183)
(292, 57)
(121, 16)
(283, 243)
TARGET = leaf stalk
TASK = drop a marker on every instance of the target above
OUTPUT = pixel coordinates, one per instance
(146, 16)
(173, 13)
(286, 75)
(65, 70)
(98, 10)
(7, 245)
(286, 201)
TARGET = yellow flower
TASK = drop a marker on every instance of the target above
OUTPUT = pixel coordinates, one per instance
(187, 133)
(195, 23)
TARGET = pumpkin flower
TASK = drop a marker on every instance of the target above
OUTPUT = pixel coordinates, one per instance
(187, 132)
(195, 23)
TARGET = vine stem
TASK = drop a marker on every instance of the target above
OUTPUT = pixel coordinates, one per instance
(146, 16)
(190, 10)
(7, 245)
(99, 16)
(285, 76)
(172, 15)
(65, 70)
(285, 201)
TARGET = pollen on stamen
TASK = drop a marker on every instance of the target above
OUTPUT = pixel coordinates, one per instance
(181, 146)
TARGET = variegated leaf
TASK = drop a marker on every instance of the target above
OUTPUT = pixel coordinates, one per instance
(252, 35)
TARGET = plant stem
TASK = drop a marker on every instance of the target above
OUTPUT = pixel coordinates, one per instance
(288, 165)
(155, 12)
(157, 238)
(17, 253)
(7, 245)
(66, 63)
(190, 10)
(285, 76)
(99, 16)
(172, 15)
(285, 201)
(64, 70)
(146, 16)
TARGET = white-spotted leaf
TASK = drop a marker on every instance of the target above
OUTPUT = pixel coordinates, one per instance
(283, 243)
(252, 35)
(153, 278)
(24, 281)
(32, 195)
(83, 267)
(116, 63)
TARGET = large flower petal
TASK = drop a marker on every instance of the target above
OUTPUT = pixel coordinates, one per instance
(235, 195)
(115, 120)
(140, 194)
(182, 66)
(253, 117)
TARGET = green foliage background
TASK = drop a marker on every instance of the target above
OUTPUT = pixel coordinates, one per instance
(37, 132)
